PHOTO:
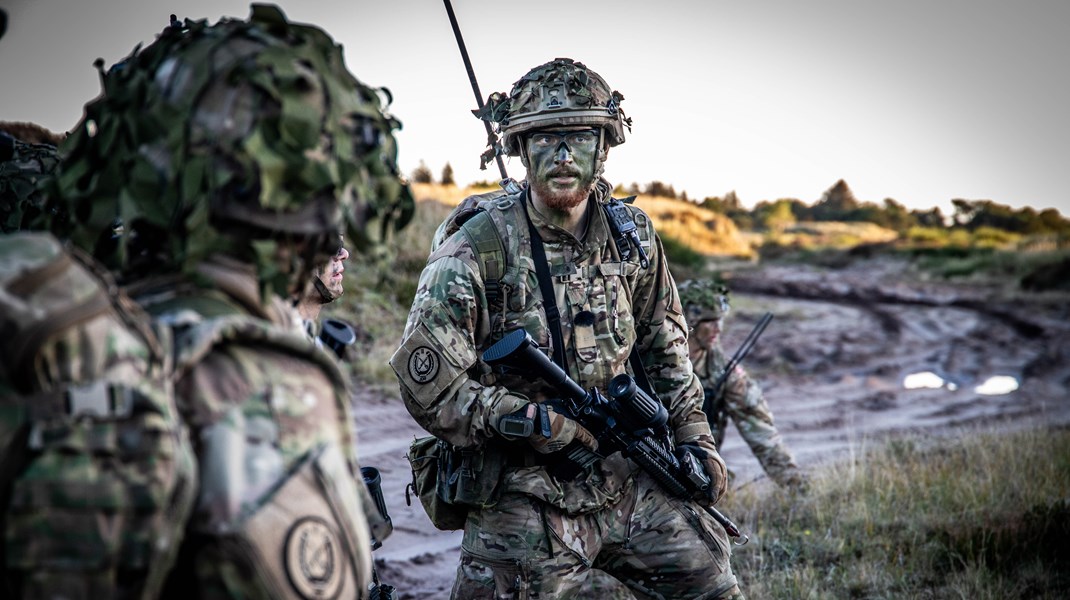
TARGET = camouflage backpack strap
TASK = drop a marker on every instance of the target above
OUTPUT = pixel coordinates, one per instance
(461, 214)
(482, 230)
(43, 291)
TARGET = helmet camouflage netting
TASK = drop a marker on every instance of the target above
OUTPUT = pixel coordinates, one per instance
(23, 167)
(229, 138)
(560, 93)
(703, 300)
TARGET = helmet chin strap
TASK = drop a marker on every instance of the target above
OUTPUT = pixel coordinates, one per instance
(325, 294)
(603, 152)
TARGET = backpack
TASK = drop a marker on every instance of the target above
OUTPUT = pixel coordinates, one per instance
(97, 473)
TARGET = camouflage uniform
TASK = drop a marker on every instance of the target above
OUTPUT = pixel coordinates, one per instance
(536, 536)
(740, 397)
(96, 469)
(226, 158)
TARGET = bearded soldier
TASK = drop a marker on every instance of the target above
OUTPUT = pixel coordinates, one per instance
(739, 397)
(213, 175)
(529, 533)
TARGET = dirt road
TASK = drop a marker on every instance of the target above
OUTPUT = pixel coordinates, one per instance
(832, 364)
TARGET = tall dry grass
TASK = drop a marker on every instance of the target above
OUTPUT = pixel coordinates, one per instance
(986, 515)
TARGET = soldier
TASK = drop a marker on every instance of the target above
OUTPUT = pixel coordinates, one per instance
(326, 288)
(225, 158)
(706, 306)
(527, 533)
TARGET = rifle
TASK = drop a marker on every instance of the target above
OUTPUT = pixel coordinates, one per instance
(507, 183)
(711, 394)
(630, 422)
(372, 479)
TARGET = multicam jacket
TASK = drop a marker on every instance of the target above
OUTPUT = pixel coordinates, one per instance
(456, 397)
(741, 398)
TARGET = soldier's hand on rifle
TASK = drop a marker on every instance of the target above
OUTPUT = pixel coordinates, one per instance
(705, 451)
(545, 429)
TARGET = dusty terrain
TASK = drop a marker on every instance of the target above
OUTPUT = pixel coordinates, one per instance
(832, 364)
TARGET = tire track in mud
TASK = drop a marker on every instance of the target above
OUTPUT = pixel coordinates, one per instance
(833, 367)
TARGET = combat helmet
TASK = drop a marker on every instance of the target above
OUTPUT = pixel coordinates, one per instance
(560, 93)
(230, 138)
(703, 300)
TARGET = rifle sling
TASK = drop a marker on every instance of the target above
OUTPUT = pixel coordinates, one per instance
(553, 315)
(549, 298)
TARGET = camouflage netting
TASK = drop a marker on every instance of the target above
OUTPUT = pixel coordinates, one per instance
(560, 93)
(23, 168)
(229, 138)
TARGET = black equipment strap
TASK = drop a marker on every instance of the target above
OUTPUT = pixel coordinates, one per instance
(549, 298)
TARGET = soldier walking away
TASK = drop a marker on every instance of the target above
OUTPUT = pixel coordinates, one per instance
(212, 175)
(586, 277)
(739, 397)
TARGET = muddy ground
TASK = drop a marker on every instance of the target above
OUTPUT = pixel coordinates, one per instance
(832, 364)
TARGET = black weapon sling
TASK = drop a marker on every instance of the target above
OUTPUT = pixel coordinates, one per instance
(553, 314)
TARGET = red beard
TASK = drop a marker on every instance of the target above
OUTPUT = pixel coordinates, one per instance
(562, 201)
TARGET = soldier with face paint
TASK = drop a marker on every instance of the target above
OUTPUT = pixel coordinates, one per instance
(740, 397)
(528, 533)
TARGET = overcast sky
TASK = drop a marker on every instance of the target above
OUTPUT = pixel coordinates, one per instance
(917, 100)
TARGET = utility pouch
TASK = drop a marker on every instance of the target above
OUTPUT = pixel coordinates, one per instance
(449, 481)
(427, 458)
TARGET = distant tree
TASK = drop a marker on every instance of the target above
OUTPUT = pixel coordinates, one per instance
(657, 188)
(447, 175)
(837, 204)
(731, 207)
(633, 189)
(929, 218)
(421, 174)
(975, 214)
(897, 217)
(778, 215)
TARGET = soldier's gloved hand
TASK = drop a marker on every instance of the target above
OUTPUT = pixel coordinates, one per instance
(545, 429)
(705, 451)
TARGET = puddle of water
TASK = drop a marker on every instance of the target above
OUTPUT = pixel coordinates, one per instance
(997, 385)
(923, 380)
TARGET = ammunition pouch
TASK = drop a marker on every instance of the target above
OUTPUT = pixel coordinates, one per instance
(450, 481)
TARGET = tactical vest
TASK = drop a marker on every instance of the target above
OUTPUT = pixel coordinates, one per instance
(480, 219)
(97, 474)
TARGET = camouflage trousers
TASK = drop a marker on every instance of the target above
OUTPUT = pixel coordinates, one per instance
(657, 546)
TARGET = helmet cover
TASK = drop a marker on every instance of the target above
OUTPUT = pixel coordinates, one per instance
(230, 138)
(560, 93)
(703, 300)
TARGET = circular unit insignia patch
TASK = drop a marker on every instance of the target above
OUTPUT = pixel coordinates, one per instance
(423, 364)
(314, 560)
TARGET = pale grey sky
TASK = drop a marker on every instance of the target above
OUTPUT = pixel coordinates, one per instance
(917, 100)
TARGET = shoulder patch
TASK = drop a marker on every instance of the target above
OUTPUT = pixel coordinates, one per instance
(423, 364)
